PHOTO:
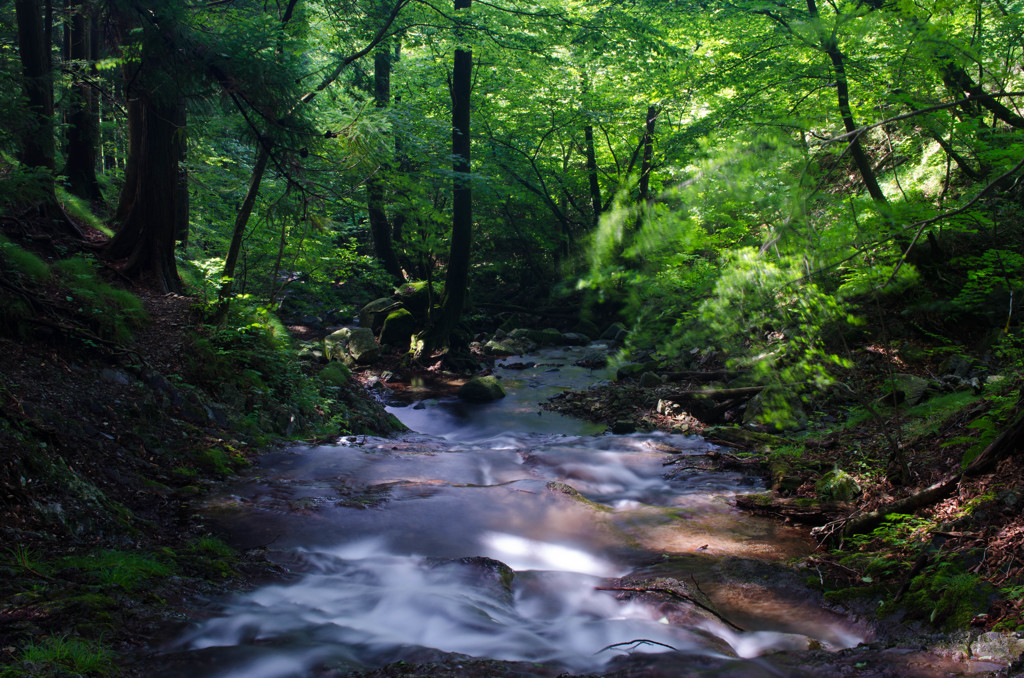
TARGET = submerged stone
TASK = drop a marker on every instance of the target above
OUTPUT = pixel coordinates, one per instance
(482, 390)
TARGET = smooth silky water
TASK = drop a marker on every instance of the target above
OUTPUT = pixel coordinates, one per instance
(392, 544)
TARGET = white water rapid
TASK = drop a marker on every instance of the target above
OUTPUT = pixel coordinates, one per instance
(502, 532)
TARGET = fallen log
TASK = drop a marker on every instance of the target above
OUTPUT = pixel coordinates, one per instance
(789, 510)
(697, 375)
(714, 393)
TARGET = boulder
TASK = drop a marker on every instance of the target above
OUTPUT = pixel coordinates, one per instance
(362, 346)
(650, 379)
(908, 389)
(335, 374)
(575, 339)
(416, 296)
(335, 344)
(482, 390)
(614, 331)
(356, 344)
(398, 329)
(587, 328)
(627, 370)
(1005, 648)
(592, 359)
(549, 336)
(623, 426)
(509, 346)
(374, 313)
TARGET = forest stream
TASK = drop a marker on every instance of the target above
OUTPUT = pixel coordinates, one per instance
(502, 532)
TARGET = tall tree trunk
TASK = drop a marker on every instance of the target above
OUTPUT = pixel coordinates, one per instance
(134, 156)
(380, 230)
(860, 158)
(595, 188)
(80, 167)
(241, 220)
(648, 144)
(37, 146)
(151, 223)
(457, 278)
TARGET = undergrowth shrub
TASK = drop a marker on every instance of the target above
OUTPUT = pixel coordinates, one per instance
(115, 313)
(249, 363)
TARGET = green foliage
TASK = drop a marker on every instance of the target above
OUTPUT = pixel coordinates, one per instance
(57, 655)
(947, 596)
(987, 427)
(249, 364)
(899, 536)
(991, 277)
(114, 312)
(19, 261)
(126, 570)
(81, 211)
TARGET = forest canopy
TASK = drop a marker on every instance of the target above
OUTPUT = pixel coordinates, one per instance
(757, 169)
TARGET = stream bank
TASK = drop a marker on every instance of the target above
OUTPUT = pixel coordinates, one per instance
(358, 577)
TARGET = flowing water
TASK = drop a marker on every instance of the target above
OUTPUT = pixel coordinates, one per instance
(497, 531)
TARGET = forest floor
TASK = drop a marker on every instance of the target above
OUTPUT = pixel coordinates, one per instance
(106, 451)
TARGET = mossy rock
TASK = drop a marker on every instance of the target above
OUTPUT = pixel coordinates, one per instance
(549, 336)
(355, 344)
(336, 374)
(398, 329)
(482, 390)
(376, 312)
(837, 485)
(416, 296)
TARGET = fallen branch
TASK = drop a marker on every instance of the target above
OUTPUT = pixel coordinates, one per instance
(636, 641)
(674, 594)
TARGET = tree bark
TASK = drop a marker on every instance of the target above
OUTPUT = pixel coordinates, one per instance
(960, 81)
(37, 146)
(83, 132)
(860, 158)
(457, 277)
(595, 187)
(151, 223)
(380, 229)
(648, 144)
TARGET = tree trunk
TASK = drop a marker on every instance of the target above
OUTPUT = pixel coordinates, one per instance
(648, 144)
(80, 167)
(241, 220)
(380, 230)
(961, 82)
(595, 188)
(457, 278)
(151, 223)
(134, 157)
(37, 148)
(860, 158)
